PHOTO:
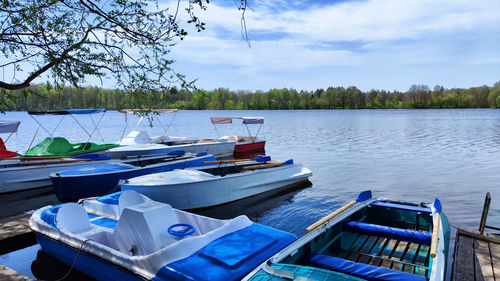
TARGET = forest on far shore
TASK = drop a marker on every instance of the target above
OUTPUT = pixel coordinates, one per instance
(43, 97)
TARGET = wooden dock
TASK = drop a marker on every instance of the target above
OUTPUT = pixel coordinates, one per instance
(15, 234)
(476, 257)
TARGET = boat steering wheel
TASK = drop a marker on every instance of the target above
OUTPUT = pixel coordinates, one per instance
(188, 229)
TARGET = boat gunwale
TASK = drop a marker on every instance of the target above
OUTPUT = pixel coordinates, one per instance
(308, 237)
(130, 169)
(230, 176)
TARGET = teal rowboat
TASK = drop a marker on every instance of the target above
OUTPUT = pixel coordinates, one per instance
(368, 239)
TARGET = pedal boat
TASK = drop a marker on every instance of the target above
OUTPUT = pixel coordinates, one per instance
(127, 236)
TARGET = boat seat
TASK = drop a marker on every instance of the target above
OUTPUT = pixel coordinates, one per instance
(4, 153)
(140, 230)
(401, 207)
(129, 198)
(411, 236)
(73, 217)
(59, 146)
(368, 272)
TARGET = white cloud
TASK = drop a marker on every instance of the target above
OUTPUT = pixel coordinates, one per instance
(377, 34)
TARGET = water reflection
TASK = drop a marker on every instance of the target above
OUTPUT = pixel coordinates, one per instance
(45, 267)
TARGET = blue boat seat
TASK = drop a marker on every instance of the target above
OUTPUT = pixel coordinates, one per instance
(411, 236)
(366, 271)
(401, 207)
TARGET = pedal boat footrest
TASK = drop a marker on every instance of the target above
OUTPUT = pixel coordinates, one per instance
(412, 236)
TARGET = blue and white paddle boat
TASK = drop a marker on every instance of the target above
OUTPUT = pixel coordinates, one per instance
(127, 236)
(101, 179)
(367, 239)
(207, 186)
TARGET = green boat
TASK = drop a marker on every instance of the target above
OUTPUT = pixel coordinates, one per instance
(59, 146)
(371, 239)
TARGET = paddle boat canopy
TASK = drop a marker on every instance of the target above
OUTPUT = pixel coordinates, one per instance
(59, 146)
(7, 127)
(127, 236)
(139, 142)
(244, 144)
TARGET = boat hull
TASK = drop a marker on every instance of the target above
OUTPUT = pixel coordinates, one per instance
(225, 189)
(258, 146)
(218, 149)
(360, 238)
(95, 238)
(74, 187)
(29, 177)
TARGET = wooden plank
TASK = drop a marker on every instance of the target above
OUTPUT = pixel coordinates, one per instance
(482, 261)
(463, 264)
(399, 255)
(409, 257)
(495, 260)
(378, 250)
(355, 246)
(423, 260)
(14, 226)
(7, 274)
(393, 245)
(474, 234)
(367, 248)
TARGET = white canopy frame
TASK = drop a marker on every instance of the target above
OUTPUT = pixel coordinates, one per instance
(145, 112)
(70, 112)
(246, 121)
(9, 127)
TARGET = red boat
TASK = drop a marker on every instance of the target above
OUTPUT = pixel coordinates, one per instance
(244, 144)
(7, 126)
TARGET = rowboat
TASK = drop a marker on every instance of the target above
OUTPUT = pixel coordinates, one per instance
(127, 236)
(7, 127)
(217, 184)
(367, 239)
(138, 142)
(244, 144)
(100, 179)
(23, 173)
(59, 146)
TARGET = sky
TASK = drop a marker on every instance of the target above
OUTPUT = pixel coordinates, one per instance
(370, 44)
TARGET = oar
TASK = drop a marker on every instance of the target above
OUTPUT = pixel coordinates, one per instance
(363, 196)
(262, 166)
(435, 227)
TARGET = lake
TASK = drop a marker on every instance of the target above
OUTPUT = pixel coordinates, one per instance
(412, 155)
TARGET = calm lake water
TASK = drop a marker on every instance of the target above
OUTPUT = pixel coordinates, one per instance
(412, 155)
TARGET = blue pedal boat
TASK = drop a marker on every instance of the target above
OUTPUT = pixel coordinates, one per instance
(127, 236)
(367, 239)
(100, 179)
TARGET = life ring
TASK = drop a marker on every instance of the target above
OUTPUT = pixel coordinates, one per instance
(188, 229)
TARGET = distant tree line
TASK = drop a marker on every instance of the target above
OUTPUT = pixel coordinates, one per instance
(42, 97)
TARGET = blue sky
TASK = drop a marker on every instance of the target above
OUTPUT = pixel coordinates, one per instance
(372, 44)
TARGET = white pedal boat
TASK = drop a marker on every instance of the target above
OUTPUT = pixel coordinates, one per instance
(127, 236)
